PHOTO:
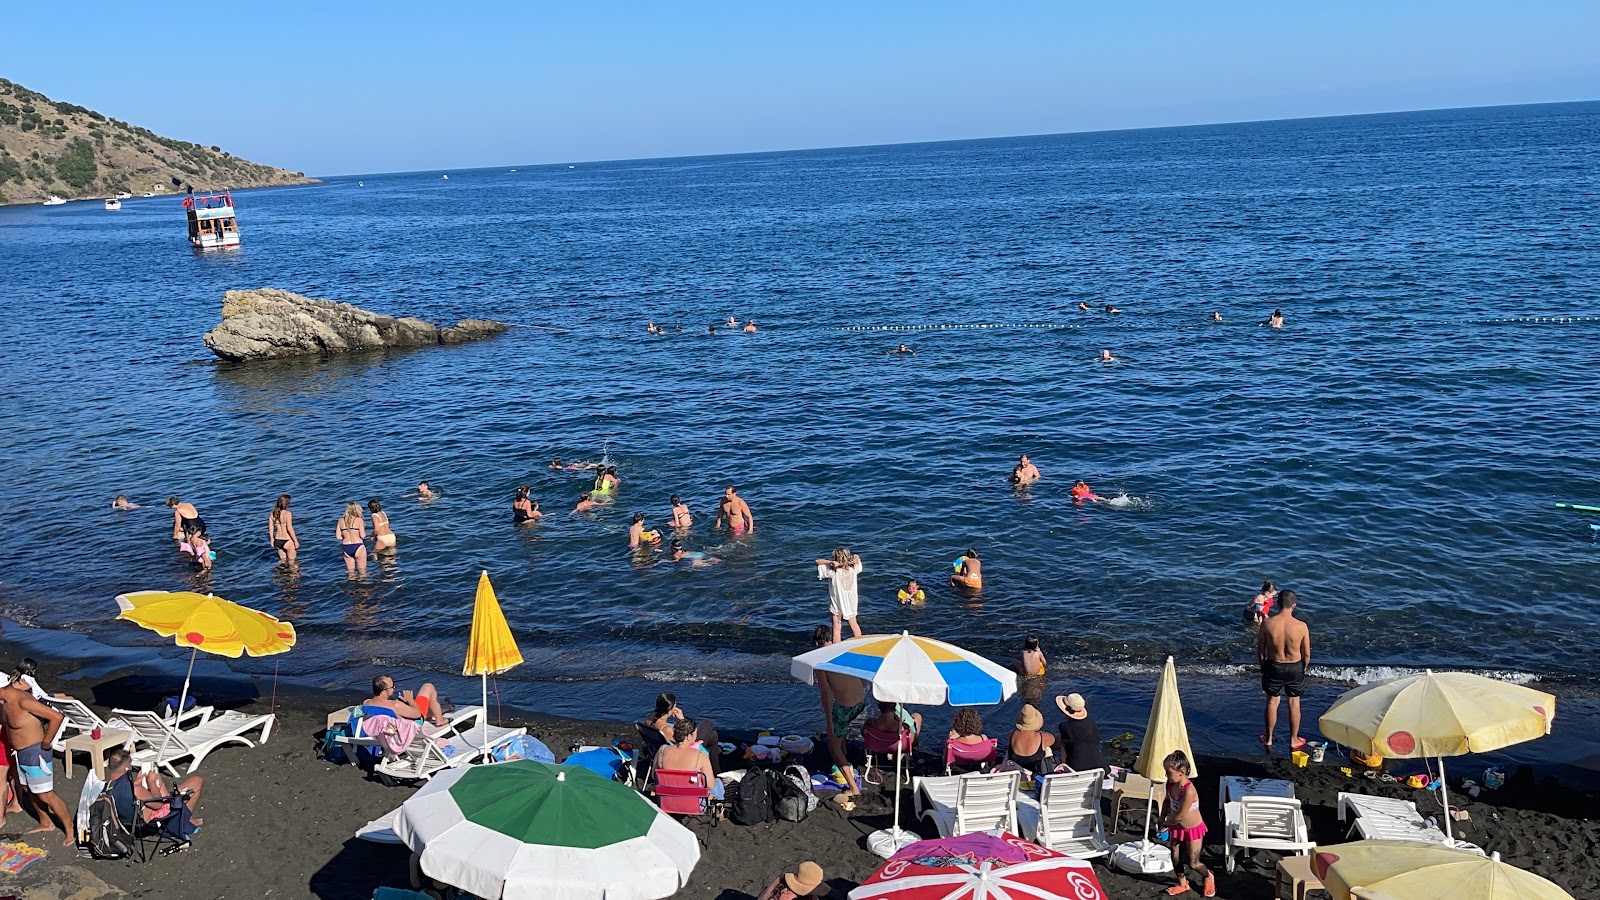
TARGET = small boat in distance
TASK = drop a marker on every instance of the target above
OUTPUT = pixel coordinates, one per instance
(113, 204)
(445, 177)
(124, 195)
(148, 194)
(53, 200)
(213, 225)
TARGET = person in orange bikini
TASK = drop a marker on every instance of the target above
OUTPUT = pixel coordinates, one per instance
(969, 572)
(1180, 815)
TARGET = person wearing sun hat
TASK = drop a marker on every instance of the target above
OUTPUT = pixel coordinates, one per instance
(805, 881)
(1030, 747)
(1080, 736)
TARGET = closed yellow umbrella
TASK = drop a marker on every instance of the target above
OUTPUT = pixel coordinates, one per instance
(1416, 870)
(491, 649)
(1438, 714)
(205, 622)
(1165, 732)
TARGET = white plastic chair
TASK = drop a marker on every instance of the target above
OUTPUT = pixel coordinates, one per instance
(426, 754)
(194, 743)
(80, 718)
(1264, 823)
(1388, 819)
(1067, 816)
(963, 804)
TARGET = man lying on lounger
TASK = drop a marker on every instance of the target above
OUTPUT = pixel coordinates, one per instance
(424, 704)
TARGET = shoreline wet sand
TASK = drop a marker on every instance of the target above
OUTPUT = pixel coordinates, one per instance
(280, 822)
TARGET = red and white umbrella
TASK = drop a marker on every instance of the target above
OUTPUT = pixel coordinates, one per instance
(981, 866)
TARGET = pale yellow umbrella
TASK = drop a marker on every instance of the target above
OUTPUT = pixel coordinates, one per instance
(1165, 732)
(491, 649)
(1438, 714)
(1417, 870)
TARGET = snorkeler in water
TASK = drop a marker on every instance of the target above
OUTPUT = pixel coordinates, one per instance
(693, 557)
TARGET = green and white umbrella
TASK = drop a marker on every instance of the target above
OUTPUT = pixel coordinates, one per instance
(528, 829)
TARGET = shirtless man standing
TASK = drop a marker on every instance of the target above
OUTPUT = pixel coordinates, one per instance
(736, 512)
(30, 729)
(844, 699)
(1284, 649)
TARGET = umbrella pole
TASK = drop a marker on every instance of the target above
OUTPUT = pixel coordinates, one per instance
(1444, 789)
(177, 716)
(1149, 806)
(483, 738)
(896, 828)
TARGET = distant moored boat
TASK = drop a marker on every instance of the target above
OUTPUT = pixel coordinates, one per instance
(53, 200)
(124, 195)
(445, 177)
(213, 225)
(113, 204)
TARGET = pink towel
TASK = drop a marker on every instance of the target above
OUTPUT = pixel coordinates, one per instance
(393, 734)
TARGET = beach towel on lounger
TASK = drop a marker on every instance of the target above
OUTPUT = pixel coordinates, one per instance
(393, 733)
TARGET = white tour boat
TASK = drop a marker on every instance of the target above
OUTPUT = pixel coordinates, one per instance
(113, 204)
(213, 225)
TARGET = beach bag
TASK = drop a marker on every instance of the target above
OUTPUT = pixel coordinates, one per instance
(169, 704)
(801, 779)
(788, 800)
(330, 749)
(108, 838)
(751, 803)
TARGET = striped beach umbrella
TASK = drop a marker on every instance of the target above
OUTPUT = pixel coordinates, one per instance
(904, 668)
(522, 830)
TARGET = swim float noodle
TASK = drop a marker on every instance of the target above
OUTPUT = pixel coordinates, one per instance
(1578, 506)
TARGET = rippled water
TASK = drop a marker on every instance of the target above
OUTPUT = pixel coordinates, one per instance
(1393, 455)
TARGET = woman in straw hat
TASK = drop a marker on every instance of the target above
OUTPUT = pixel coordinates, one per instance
(1080, 736)
(1030, 747)
(804, 881)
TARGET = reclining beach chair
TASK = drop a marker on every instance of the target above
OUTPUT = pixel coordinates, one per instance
(650, 742)
(1389, 819)
(80, 718)
(1067, 817)
(151, 733)
(970, 756)
(887, 745)
(426, 754)
(353, 743)
(963, 804)
(1263, 823)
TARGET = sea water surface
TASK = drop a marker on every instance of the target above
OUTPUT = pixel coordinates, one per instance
(1393, 455)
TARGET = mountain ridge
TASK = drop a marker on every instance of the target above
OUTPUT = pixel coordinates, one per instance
(52, 148)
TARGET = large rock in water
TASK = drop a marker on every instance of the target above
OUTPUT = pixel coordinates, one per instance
(266, 323)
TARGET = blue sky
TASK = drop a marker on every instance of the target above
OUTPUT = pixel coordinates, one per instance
(337, 88)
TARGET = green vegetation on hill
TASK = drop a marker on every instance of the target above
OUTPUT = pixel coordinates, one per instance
(49, 147)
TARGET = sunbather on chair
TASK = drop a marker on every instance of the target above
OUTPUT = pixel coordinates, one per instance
(424, 704)
(147, 793)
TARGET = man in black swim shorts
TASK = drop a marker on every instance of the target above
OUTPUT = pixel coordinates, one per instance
(1283, 647)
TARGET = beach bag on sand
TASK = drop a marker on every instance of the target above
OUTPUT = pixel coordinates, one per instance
(751, 803)
(330, 749)
(108, 838)
(801, 779)
(788, 800)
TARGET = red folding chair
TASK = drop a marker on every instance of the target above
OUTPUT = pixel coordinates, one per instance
(685, 793)
(974, 757)
(886, 745)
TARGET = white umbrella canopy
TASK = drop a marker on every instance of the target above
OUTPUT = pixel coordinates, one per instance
(524, 830)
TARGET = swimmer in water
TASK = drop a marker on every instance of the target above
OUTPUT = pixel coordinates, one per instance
(1112, 310)
(711, 329)
(680, 513)
(1216, 317)
(969, 573)
(524, 508)
(733, 322)
(383, 537)
(912, 593)
(650, 328)
(735, 511)
(1025, 473)
(556, 466)
(1106, 357)
(1275, 320)
(750, 327)
(584, 503)
(122, 503)
(639, 535)
(423, 491)
(1082, 492)
(694, 558)
(280, 530)
(1082, 306)
(903, 350)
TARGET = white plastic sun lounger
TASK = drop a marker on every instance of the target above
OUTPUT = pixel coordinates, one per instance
(461, 717)
(427, 755)
(1388, 819)
(152, 733)
(80, 718)
(963, 804)
(1256, 822)
(1067, 816)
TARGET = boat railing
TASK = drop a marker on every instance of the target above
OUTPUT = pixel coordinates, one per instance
(209, 201)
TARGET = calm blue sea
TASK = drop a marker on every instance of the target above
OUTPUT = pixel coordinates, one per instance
(1393, 455)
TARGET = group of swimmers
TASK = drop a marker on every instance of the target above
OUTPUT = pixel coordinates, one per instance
(732, 325)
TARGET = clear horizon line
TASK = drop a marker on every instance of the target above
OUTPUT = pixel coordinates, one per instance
(993, 137)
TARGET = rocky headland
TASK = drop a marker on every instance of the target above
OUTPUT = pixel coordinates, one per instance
(267, 323)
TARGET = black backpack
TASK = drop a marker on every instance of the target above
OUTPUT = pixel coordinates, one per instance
(108, 837)
(751, 803)
(790, 802)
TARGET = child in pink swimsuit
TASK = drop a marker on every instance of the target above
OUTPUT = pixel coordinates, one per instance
(1180, 814)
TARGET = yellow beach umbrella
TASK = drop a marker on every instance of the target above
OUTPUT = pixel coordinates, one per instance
(1415, 870)
(491, 649)
(1165, 732)
(206, 622)
(1438, 714)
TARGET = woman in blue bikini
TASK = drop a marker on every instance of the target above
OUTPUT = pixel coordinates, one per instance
(352, 534)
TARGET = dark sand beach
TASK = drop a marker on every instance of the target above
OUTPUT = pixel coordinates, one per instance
(280, 822)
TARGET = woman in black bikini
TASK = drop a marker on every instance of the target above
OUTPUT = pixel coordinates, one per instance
(184, 517)
(280, 530)
(351, 531)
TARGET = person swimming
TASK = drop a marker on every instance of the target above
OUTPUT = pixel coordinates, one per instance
(640, 537)
(606, 480)
(122, 503)
(585, 503)
(423, 491)
(1216, 317)
(750, 327)
(695, 558)
(903, 350)
(1275, 320)
(733, 322)
(1082, 306)
(1106, 357)
(912, 593)
(1081, 492)
(1025, 472)
(556, 466)
(1112, 310)
(680, 513)
(969, 572)
(523, 507)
